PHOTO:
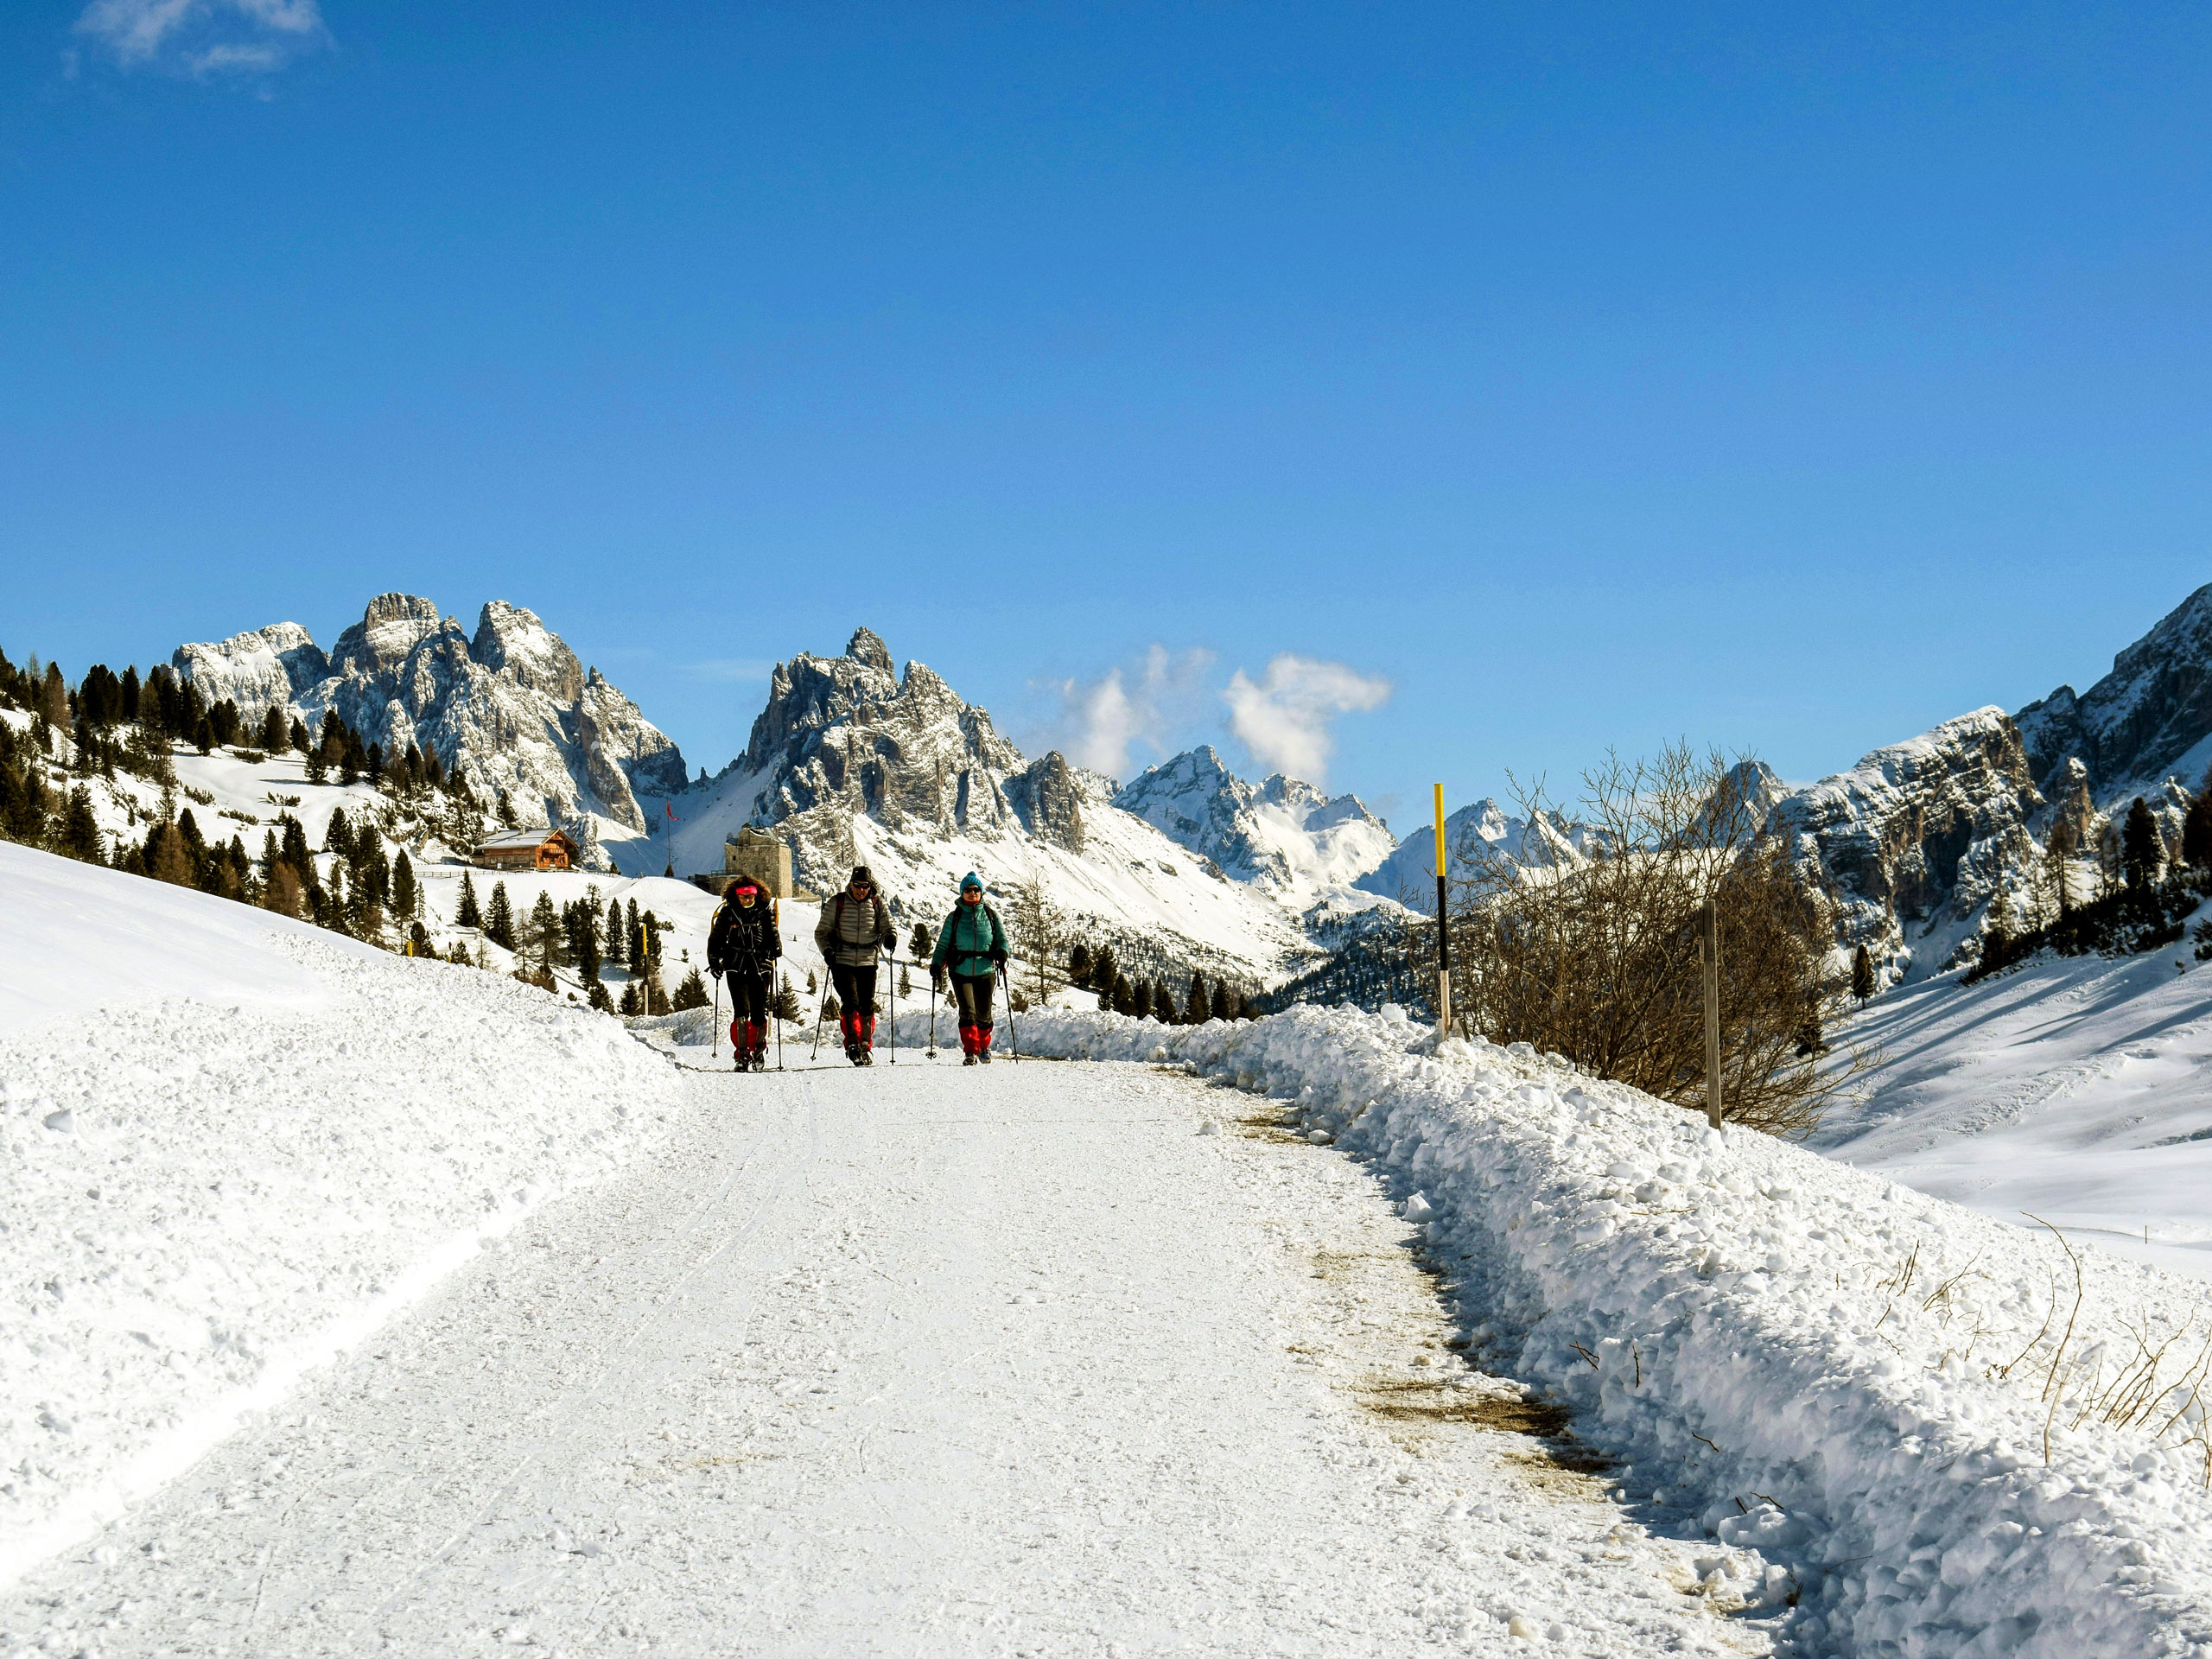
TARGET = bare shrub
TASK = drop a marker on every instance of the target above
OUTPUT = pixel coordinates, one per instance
(1584, 943)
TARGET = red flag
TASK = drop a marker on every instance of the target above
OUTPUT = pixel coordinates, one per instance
(671, 810)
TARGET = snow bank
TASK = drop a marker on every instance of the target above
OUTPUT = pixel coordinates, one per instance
(259, 1142)
(1840, 1373)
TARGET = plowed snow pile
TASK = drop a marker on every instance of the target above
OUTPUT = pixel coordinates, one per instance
(1962, 1440)
(230, 1144)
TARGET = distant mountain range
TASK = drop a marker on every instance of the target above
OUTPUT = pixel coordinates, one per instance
(854, 760)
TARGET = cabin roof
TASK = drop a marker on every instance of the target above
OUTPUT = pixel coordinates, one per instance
(519, 840)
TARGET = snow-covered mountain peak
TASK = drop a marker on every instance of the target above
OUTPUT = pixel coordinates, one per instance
(847, 764)
(511, 639)
(513, 706)
(388, 630)
(1284, 836)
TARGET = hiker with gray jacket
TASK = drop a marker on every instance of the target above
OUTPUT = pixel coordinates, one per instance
(854, 931)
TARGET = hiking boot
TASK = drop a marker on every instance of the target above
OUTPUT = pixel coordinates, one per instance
(967, 1059)
(983, 1056)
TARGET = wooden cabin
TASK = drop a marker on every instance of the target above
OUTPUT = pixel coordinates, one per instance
(527, 850)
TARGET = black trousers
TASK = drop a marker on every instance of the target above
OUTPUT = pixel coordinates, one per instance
(748, 995)
(972, 992)
(855, 990)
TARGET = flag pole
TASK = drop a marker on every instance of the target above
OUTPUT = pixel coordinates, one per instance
(1443, 932)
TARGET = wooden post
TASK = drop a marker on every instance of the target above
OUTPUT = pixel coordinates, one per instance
(1443, 931)
(1709, 951)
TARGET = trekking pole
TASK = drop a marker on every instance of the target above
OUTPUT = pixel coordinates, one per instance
(715, 1053)
(775, 1012)
(1013, 1031)
(824, 1014)
(932, 1053)
(891, 957)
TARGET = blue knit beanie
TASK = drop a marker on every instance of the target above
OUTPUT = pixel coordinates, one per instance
(971, 880)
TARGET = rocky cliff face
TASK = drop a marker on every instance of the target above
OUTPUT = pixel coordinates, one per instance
(2149, 719)
(1913, 840)
(513, 705)
(1284, 836)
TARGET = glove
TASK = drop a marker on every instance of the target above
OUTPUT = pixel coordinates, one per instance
(937, 975)
(999, 957)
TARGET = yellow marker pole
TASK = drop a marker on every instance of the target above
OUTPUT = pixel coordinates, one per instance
(1443, 932)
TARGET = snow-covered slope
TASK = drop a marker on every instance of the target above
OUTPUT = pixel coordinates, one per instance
(230, 1143)
(1913, 1422)
(852, 762)
(2078, 1089)
(1283, 836)
(512, 704)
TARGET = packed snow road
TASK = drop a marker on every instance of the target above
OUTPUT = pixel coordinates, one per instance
(916, 1360)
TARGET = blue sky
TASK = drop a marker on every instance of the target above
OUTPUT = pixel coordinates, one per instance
(1788, 378)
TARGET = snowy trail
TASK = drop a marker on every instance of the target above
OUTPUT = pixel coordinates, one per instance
(910, 1361)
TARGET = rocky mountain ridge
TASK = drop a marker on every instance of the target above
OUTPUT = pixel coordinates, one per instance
(1293, 840)
(512, 703)
(2147, 721)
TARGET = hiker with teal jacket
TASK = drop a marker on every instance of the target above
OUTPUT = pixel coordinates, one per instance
(972, 945)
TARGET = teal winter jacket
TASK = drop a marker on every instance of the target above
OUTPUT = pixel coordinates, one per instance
(971, 942)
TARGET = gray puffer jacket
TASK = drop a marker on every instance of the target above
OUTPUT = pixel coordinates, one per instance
(851, 934)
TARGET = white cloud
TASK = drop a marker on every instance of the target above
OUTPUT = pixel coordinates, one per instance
(1283, 719)
(204, 38)
(1101, 719)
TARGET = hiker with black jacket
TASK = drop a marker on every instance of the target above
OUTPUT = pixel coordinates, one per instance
(853, 932)
(743, 945)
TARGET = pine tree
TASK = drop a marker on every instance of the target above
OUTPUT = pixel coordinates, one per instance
(53, 699)
(920, 944)
(499, 921)
(469, 914)
(544, 935)
(631, 1004)
(81, 830)
(2140, 853)
(1123, 996)
(786, 1003)
(633, 942)
(274, 733)
(1862, 974)
(596, 995)
(616, 950)
(166, 859)
(337, 834)
(1197, 1007)
(281, 891)
(2196, 829)
(406, 899)
(905, 984)
(1220, 1008)
(1079, 965)
(129, 705)
(297, 736)
(692, 993)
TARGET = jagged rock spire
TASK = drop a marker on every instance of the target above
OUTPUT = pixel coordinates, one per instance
(867, 646)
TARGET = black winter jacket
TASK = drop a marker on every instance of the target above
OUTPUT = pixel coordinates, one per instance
(743, 940)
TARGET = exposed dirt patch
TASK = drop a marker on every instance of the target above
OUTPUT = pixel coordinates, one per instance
(1270, 1126)
(1337, 1266)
